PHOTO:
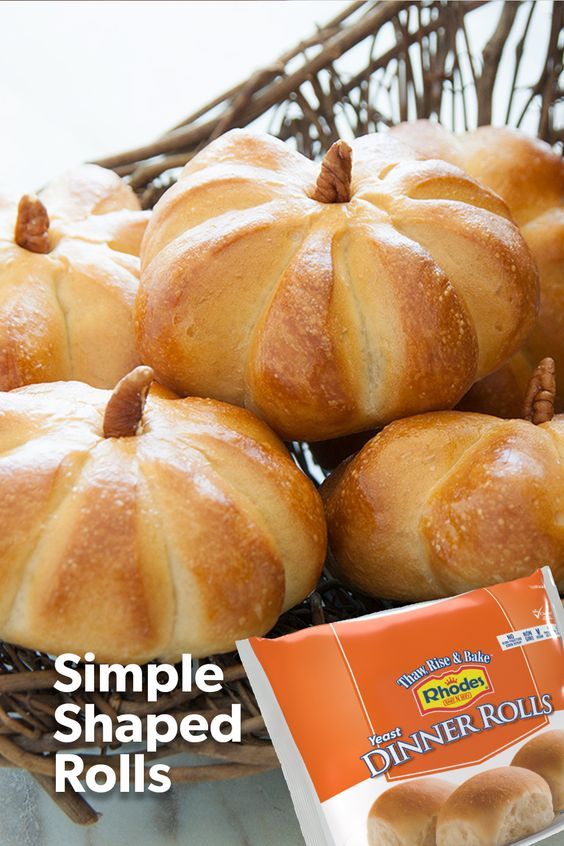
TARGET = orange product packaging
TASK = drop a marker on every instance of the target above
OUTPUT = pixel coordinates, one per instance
(439, 723)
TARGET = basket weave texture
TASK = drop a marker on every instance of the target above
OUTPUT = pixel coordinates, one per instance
(375, 64)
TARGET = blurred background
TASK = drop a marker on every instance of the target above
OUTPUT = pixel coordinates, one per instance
(82, 80)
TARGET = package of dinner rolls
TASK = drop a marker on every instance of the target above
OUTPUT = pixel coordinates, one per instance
(439, 723)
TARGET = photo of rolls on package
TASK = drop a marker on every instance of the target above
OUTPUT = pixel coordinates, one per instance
(468, 746)
(282, 423)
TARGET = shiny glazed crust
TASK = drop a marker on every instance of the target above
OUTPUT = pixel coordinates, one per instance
(330, 318)
(68, 313)
(503, 392)
(529, 175)
(442, 503)
(195, 532)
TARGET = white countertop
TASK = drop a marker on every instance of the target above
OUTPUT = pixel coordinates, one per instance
(255, 811)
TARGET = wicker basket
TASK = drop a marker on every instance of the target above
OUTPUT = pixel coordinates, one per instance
(417, 60)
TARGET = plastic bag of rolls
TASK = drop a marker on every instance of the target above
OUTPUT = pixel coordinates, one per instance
(438, 724)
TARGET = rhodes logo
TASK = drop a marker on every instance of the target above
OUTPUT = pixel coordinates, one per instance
(453, 690)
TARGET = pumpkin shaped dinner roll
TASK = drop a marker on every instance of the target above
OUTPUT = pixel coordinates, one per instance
(330, 299)
(445, 502)
(529, 176)
(69, 271)
(137, 525)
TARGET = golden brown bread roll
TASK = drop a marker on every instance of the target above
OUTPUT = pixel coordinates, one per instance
(445, 502)
(69, 271)
(406, 815)
(544, 754)
(501, 393)
(529, 175)
(495, 808)
(526, 172)
(330, 307)
(181, 534)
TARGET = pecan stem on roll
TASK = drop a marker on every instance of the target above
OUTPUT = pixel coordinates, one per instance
(539, 402)
(334, 181)
(125, 408)
(32, 225)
